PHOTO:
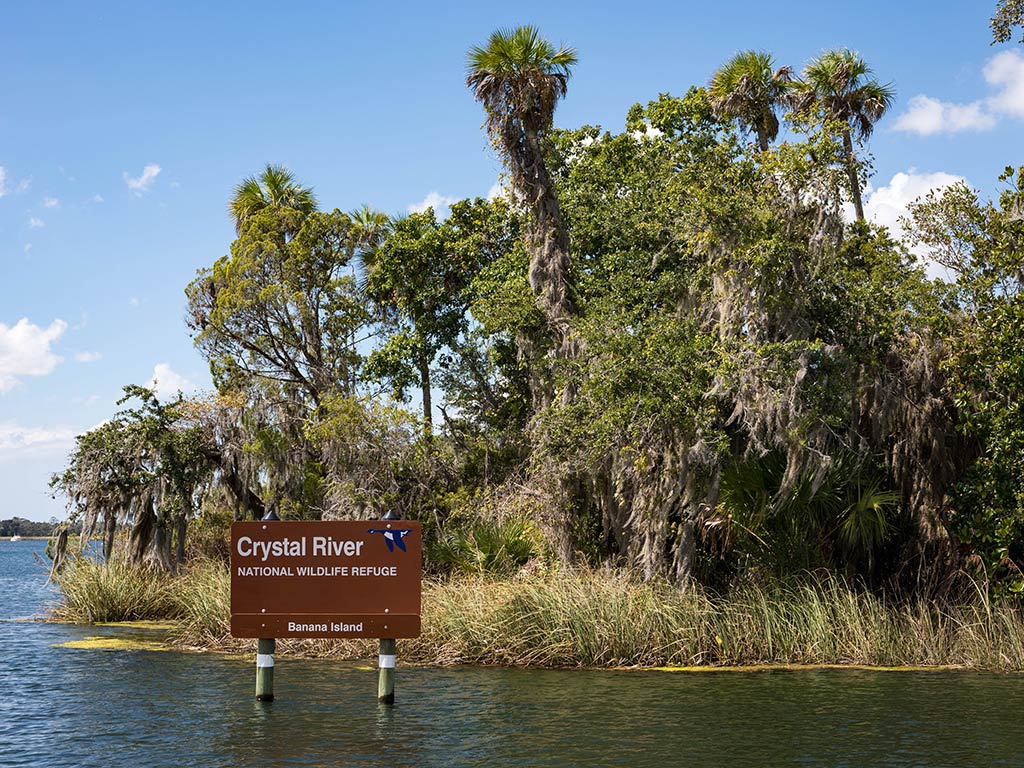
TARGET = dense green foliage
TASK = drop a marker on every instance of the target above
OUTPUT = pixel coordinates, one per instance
(667, 350)
(982, 245)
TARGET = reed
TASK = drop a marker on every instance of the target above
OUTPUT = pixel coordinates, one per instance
(94, 592)
(601, 618)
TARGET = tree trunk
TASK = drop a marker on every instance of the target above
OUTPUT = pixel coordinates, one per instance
(181, 526)
(851, 172)
(160, 548)
(142, 533)
(762, 139)
(150, 540)
(251, 503)
(549, 244)
(109, 528)
(428, 407)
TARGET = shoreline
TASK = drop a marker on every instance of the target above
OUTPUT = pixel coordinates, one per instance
(363, 663)
(25, 538)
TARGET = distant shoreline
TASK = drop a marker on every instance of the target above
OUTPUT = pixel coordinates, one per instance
(26, 538)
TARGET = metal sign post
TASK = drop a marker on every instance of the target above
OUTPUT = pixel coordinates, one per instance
(265, 647)
(386, 648)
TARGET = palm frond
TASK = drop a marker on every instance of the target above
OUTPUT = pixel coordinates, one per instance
(275, 186)
(750, 89)
(840, 81)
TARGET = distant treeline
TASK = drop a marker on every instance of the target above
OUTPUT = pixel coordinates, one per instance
(19, 526)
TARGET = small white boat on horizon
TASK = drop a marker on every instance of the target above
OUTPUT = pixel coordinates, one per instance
(15, 537)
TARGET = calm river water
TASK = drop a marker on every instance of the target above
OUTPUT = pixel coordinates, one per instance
(67, 707)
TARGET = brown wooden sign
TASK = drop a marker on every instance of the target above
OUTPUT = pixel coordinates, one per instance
(326, 579)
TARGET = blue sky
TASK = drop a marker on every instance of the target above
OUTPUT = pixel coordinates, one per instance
(124, 127)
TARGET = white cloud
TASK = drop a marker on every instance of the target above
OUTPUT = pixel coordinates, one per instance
(140, 184)
(888, 203)
(50, 202)
(167, 383)
(25, 350)
(17, 442)
(23, 185)
(927, 116)
(434, 200)
(3, 181)
(34, 223)
(496, 191)
(88, 357)
(134, 301)
(97, 199)
(1004, 72)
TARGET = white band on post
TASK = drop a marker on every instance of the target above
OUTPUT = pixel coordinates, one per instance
(264, 660)
(386, 661)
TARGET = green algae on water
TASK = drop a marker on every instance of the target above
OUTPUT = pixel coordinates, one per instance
(113, 643)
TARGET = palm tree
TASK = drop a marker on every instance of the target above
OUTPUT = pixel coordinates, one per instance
(371, 226)
(750, 89)
(274, 187)
(839, 83)
(519, 78)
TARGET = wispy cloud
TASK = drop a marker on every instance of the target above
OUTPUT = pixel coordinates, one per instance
(88, 357)
(140, 184)
(96, 199)
(1004, 73)
(17, 441)
(25, 351)
(34, 223)
(434, 200)
(167, 383)
(6, 181)
(497, 190)
(51, 202)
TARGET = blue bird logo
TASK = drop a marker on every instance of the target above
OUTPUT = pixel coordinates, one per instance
(393, 537)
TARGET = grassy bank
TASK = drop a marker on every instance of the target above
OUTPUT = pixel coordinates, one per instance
(595, 618)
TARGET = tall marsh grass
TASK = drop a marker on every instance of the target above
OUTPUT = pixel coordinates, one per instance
(603, 618)
(97, 592)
